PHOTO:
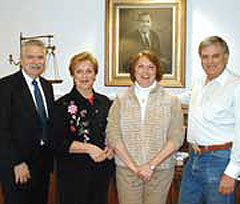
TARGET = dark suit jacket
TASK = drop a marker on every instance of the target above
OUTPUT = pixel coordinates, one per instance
(19, 130)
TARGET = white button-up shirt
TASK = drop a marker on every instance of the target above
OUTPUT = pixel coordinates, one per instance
(31, 88)
(29, 80)
(214, 115)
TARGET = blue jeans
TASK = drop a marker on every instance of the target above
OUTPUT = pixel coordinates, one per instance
(201, 177)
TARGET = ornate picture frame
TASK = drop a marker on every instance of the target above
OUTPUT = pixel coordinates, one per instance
(165, 25)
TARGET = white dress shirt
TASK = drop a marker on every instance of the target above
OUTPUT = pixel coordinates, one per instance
(31, 88)
(214, 115)
(145, 38)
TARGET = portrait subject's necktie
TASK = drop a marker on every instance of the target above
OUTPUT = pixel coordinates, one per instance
(40, 109)
(146, 41)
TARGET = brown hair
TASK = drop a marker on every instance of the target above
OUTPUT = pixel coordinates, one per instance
(78, 58)
(149, 55)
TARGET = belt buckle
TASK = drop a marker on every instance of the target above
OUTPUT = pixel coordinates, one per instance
(196, 149)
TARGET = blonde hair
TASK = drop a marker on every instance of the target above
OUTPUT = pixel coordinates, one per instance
(78, 58)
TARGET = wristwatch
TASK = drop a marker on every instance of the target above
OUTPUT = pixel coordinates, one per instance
(152, 167)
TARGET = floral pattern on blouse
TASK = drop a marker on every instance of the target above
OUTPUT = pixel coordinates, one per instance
(78, 122)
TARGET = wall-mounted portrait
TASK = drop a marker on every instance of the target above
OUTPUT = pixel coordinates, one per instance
(148, 29)
(135, 25)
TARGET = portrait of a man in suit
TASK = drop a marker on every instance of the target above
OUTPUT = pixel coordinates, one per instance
(142, 37)
(26, 108)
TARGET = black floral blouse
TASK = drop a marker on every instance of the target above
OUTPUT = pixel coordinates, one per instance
(78, 118)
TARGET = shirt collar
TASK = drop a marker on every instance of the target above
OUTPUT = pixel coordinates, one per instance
(142, 34)
(78, 96)
(222, 78)
(28, 78)
(148, 89)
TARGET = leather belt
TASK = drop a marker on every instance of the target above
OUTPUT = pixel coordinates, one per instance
(199, 149)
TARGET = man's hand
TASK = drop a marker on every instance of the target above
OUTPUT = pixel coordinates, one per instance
(227, 185)
(22, 173)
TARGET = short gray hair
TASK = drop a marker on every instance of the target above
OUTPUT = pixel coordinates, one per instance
(213, 40)
(37, 43)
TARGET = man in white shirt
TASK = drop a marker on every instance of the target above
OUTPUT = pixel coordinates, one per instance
(213, 130)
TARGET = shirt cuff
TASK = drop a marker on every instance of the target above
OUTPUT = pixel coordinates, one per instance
(232, 170)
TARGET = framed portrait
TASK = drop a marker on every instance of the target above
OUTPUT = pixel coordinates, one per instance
(136, 25)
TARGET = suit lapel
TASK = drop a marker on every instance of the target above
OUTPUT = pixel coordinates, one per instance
(25, 95)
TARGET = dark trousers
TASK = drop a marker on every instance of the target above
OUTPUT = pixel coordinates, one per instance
(35, 191)
(83, 186)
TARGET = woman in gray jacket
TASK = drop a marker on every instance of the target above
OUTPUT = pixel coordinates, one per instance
(145, 128)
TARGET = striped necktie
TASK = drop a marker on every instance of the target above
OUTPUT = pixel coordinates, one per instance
(39, 101)
(146, 40)
(41, 113)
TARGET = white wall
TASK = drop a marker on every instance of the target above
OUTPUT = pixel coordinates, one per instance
(79, 25)
(213, 17)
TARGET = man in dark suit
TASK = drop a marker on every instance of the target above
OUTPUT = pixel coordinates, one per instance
(144, 38)
(25, 143)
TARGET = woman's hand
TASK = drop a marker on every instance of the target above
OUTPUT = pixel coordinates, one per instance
(145, 173)
(96, 153)
(109, 152)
